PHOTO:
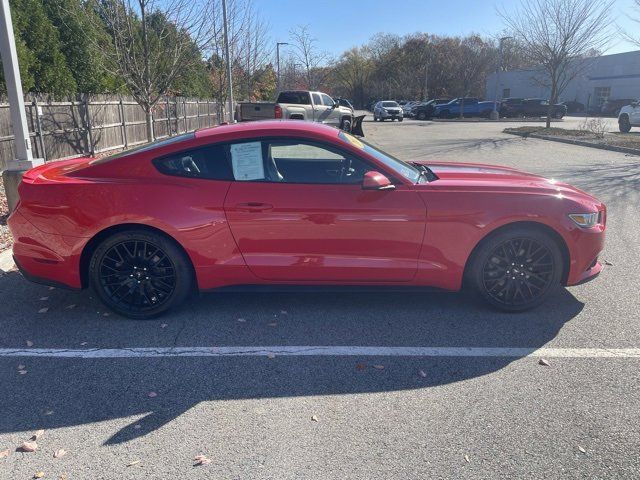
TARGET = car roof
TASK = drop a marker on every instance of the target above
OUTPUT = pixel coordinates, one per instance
(268, 127)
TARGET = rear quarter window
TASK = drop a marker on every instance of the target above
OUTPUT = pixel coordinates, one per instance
(208, 162)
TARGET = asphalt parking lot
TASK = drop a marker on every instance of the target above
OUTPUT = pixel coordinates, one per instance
(364, 398)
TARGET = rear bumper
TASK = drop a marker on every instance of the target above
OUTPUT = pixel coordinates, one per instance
(43, 257)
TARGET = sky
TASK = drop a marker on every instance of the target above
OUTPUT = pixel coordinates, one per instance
(341, 24)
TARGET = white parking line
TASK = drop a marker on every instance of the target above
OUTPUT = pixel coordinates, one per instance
(339, 351)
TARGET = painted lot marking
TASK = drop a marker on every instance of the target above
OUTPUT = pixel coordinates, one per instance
(292, 351)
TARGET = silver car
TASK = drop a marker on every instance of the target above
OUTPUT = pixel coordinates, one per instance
(387, 109)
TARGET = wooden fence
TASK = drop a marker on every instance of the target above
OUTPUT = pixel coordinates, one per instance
(89, 125)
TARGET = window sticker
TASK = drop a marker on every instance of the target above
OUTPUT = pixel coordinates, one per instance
(246, 159)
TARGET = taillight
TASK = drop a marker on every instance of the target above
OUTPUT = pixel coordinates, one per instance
(277, 111)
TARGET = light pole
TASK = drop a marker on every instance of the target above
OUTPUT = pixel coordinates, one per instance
(24, 156)
(278, 64)
(226, 49)
(494, 114)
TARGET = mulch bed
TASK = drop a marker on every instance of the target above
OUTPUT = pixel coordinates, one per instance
(5, 236)
(611, 139)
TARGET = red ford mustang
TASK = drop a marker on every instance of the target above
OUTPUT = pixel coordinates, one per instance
(297, 203)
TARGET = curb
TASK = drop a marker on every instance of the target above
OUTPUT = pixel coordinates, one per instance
(502, 120)
(611, 148)
(6, 261)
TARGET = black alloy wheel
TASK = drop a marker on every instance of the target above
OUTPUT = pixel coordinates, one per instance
(140, 274)
(516, 270)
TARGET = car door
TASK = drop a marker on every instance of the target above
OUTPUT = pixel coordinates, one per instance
(318, 107)
(635, 113)
(332, 112)
(304, 216)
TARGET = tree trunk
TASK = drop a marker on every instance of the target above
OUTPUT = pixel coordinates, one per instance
(149, 124)
(462, 108)
(552, 100)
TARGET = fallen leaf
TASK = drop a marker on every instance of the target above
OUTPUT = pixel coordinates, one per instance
(38, 475)
(422, 373)
(70, 307)
(201, 460)
(284, 312)
(37, 435)
(607, 262)
(164, 325)
(241, 320)
(29, 343)
(4, 453)
(271, 355)
(22, 372)
(544, 362)
(379, 367)
(44, 299)
(29, 446)
(48, 412)
(134, 462)
(59, 453)
(314, 418)
(466, 457)
(21, 367)
(152, 394)
(43, 310)
(84, 343)
(582, 449)
(360, 366)
(273, 324)
(62, 477)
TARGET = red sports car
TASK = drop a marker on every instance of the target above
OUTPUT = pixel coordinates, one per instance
(283, 202)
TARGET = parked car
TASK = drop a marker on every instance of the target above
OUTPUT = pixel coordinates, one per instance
(573, 106)
(387, 109)
(472, 108)
(612, 108)
(406, 108)
(425, 110)
(146, 227)
(301, 105)
(629, 116)
(530, 107)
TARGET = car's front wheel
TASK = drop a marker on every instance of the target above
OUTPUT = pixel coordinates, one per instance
(140, 274)
(516, 269)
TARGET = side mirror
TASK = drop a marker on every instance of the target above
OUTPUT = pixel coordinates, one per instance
(376, 181)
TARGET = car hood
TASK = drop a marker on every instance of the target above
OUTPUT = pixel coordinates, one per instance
(496, 177)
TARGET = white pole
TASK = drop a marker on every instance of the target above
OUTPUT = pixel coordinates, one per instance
(226, 49)
(24, 153)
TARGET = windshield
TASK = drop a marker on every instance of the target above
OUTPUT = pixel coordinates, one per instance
(390, 104)
(404, 169)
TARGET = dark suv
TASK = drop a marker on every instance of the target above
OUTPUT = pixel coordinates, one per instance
(424, 111)
(530, 107)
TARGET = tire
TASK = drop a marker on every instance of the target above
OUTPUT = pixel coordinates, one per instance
(129, 275)
(400, 119)
(346, 125)
(624, 124)
(375, 119)
(422, 116)
(516, 269)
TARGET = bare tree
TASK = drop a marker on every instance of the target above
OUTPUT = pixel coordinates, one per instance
(629, 36)
(558, 36)
(151, 43)
(472, 60)
(306, 53)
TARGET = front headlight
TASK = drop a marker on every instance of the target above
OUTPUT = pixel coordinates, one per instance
(585, 220)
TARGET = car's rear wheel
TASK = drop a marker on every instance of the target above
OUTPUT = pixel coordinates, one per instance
(516, 269)
(624, 124)
(421, 116)
(140, 274)
(346, 125)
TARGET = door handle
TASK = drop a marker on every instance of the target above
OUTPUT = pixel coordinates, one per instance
(254, 207)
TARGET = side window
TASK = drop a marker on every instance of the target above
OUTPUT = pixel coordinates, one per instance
(316, 99)
(303, 162)
(208, 162)
(327, 100)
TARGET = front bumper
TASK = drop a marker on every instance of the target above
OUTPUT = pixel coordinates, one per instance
(585, 245)
(384, 114)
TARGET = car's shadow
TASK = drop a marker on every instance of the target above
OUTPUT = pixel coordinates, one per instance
(64, 392)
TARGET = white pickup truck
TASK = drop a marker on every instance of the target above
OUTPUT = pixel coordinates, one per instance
(302, 105)
(629, 117)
